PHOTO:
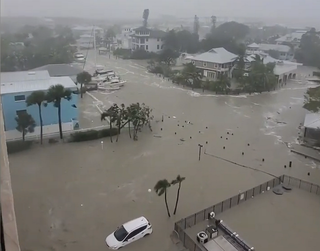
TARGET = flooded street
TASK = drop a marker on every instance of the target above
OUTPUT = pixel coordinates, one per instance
(72, 195)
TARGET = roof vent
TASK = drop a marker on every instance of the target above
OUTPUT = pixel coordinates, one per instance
(31, 73)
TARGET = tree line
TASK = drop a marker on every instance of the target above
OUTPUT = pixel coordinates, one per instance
(33, 47)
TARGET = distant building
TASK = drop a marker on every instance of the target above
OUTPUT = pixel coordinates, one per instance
(125, 37)
(311, 129)
(86, 30)
(148, 39)
(215, 63)
(284, 70)
(86, 41)
(293, 38)
(61, 70)
(284, 51)
(48, 22)
(17, 86)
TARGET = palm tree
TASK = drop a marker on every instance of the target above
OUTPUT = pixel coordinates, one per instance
(54, 95)
(37, 98)
(83, 78)
(161, 188)
(25, 124)
(178, 180)
(113, 114)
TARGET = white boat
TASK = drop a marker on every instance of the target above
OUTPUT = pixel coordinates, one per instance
(110, 88)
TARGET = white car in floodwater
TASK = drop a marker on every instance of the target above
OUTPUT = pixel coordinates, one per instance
(79, 57)
(129, 232)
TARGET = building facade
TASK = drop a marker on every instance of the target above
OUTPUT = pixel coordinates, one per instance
(148, 39)
(215, 63)
(284, 52)
(17, 86)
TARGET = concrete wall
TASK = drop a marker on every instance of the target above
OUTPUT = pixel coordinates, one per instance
(48, 132)
(49, 113)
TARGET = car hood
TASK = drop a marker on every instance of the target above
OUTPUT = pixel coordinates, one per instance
(112, 241)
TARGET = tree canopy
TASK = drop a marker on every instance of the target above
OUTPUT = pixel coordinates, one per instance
(309, 52)
(28, 50)
(312, 100)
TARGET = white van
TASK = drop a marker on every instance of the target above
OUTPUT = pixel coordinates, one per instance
(129, 232)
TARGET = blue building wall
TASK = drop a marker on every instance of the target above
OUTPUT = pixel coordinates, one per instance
(49, 113)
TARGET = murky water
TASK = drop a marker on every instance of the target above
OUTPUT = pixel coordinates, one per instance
(71, 193)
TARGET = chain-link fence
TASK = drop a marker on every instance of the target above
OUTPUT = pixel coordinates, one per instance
(220, 207)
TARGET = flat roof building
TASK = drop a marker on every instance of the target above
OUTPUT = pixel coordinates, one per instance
(15, 89)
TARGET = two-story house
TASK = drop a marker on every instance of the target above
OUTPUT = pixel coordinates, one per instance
(148, 39)
(215, 63)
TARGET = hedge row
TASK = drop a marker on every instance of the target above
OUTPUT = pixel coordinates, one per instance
(93, 134)
(18, 146)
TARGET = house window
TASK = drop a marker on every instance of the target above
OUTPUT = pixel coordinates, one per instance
(158, 47)
(204, 64)
(21, 112)
(147, 39)
(147, 47)
(162, 46)
(158, 39)
(19, 98)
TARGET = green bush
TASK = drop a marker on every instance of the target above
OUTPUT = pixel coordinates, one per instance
(18, 146)
(92, 134)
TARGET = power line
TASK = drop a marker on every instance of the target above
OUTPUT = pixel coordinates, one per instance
(244, 166)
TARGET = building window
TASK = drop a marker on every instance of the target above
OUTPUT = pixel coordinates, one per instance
(19, 98)
(147, 39)
(158, 47)
(21, 112)
(147, 47)
(162, 46)
(204, 64)
(158, 39)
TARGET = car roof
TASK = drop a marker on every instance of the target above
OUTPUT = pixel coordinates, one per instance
(133, 224)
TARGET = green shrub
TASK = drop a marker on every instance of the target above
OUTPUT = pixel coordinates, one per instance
(107, 132)
(18, 146)
(92, 134)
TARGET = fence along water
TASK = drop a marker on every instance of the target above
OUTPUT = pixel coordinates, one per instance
(220, 207)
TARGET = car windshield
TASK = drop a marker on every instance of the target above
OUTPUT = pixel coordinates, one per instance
(120, 233)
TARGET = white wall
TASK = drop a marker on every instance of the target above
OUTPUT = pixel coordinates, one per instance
(152, 44)
(48, 131)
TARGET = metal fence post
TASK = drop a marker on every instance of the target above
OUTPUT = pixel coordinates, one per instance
(311, 187)
(299, 184)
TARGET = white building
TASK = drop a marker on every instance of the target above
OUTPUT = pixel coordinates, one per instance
(86, 41)
(148, 39)
(293, 38)
(215, 63)
(82, 30)
(125, 37)
(284, 70)
(284, 51)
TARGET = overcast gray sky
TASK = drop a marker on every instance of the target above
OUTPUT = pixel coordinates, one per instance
(181, 8)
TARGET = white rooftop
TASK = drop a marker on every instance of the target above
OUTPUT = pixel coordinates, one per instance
(15, 82)
(216, 55)
(312, 120)
(295, 36)
(275, 47)
(253, 45)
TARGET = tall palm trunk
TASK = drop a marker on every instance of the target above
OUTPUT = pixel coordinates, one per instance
(23, 135)
(41, 124)
(119, 128)
(165, 200)
(177, 199)
(81, 93)
(59, 117)
(129, 129)
(110, 124)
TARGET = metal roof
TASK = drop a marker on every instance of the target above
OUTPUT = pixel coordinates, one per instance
(312, 120)
(295, 36)
(21, 82)
(60, 70)
(24, 76)
(275, 47)
(216, 55)
(254, 45)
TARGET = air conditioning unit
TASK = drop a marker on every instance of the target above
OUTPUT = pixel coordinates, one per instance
(211, 215)
(202, 237)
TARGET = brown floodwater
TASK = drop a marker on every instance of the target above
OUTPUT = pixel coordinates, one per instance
(71, 196)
